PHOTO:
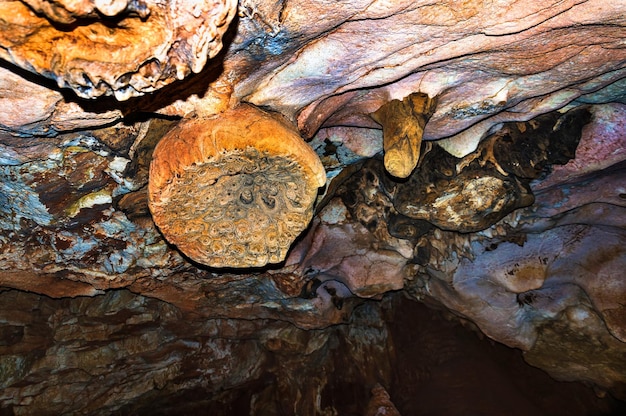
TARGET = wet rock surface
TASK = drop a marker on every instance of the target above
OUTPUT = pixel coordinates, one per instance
(511, 220)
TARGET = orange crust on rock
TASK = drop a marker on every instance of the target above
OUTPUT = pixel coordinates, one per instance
(199, 139)
(235, 189)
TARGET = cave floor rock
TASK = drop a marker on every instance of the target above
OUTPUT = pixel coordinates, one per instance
(122, 353)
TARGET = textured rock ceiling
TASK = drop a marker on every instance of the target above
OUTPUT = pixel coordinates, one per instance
(474, 158)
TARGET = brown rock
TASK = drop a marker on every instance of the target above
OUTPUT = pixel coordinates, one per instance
(403, 127)
(67, 12)
(74, 218)
(147, 45)
(493, 181)
(234, 190)
(380, 404)
(465, 202)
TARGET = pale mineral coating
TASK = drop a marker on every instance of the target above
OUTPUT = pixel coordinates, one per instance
(234, 190)
(147, 46)
(532, 54)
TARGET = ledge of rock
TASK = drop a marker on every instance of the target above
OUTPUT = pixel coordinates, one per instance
(474, 164)
(116, 48)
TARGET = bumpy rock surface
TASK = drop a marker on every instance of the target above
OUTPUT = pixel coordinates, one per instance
(475, 192)
(101, 314)
(126, 354)
(234, 190)
(121, 48)
(403, 125)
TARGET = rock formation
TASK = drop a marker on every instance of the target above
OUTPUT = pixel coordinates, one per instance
(496, 196)
(122, 48)
(234, 190)
(403, 125)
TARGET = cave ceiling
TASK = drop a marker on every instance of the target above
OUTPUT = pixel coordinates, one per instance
(286, 162)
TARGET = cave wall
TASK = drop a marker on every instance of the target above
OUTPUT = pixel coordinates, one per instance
(512, 220)
(122, 353)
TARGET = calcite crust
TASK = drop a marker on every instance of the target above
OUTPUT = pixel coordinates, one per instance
(234, 190)
(403, 127)
(136, 48)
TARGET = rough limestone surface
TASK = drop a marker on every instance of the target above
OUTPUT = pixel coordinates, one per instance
(235, 189)
(121, 48)
(511, 223)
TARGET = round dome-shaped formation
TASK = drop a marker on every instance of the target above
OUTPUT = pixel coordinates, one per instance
(234, 190)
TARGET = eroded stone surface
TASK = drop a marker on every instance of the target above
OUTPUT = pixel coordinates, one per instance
(74, 210)
(380, 403)
(120, 48)
(340, 78)
(48, 115)
(67, 12)
(473, 193)
(234, 190)
(129, 354)
(358, 247)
